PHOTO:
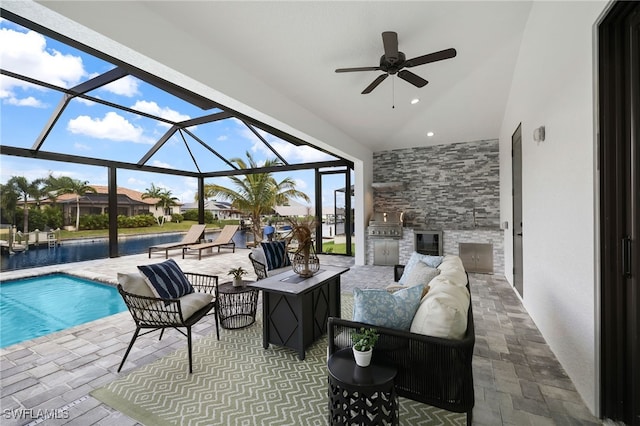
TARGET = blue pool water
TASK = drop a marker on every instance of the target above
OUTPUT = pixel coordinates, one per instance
(79, 250)
(37, 306)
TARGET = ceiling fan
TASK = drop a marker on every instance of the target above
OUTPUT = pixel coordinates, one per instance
(394, 61)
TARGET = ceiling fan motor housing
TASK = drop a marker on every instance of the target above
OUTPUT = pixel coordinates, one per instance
(392, 65)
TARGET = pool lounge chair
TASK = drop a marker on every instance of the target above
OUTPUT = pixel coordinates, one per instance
(192, 237)
(224, 239)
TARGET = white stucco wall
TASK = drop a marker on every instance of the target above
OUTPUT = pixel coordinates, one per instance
(553, 86)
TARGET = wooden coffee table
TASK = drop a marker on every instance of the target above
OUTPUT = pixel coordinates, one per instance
(295, 310)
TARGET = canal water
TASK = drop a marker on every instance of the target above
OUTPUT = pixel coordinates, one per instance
(91, 249)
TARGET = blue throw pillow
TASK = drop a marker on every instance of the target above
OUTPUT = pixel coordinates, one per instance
(275, 252)
(432, 261)
(384, 309)
(166, 279)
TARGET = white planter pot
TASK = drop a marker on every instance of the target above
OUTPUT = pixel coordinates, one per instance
(363, 358)
(237, 282)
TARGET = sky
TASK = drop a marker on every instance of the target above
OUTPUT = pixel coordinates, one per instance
(90, 129)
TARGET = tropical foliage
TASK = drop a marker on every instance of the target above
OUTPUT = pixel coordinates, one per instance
(67, 185)
(165, 201)
(19, 188)
(256, 194)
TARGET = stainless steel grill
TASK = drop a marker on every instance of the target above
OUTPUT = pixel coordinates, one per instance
(385, 225)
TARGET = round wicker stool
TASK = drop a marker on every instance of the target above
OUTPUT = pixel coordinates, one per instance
(361, 395)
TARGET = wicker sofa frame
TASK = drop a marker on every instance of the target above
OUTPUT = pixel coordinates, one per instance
(432, 370)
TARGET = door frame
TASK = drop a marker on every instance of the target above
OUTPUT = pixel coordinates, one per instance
(619, 209)
(518, 259)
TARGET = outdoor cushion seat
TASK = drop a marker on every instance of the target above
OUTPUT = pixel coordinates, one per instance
(154, 313)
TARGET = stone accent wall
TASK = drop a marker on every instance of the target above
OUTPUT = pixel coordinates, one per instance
(443, 185)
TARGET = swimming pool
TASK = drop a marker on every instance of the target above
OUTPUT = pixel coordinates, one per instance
(34, 307)
(90, 249)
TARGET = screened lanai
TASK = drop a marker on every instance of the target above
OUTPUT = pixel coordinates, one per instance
(67, 103)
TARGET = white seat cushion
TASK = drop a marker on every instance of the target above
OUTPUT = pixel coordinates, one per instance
(192, 302)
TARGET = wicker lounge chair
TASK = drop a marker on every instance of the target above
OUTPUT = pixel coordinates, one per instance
(152, 313)
(224, 239)
(192, 237)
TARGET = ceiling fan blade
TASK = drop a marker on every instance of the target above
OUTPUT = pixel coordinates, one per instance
(358, 69)
(412, 78)
(431, 57)
(390, 42)
(375, 83)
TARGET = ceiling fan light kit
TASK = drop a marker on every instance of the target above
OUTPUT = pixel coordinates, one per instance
(394, 62)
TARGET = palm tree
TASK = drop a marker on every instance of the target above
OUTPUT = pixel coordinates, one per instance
(165, 200)
(256, 194)
(20, 186)
(67, 185)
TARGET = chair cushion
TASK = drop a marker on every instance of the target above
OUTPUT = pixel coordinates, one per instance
(258, 254)
(275, 252)
(193, 302)
(166, 279)
(135, 283)
(384, 309)
(432, 261)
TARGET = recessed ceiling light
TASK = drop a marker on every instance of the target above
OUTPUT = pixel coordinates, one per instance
(414, 101)
(430, 134)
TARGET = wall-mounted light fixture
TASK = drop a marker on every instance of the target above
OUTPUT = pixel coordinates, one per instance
(538, 134)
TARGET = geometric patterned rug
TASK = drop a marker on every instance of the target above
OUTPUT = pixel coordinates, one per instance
(237, 382)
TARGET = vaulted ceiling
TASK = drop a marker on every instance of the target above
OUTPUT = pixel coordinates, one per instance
(278, 60)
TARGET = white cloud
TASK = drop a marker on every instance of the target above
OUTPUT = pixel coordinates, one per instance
(153, 108)
(222, 138)
(27, 53)
(28, 101)
(301, 184)
(157, 163)
(125, 86)
(112, 127)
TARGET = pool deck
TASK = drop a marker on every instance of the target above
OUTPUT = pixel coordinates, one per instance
(57, 372)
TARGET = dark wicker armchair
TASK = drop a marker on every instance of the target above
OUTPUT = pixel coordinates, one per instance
(154, 313)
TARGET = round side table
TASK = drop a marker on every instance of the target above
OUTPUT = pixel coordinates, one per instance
(361, 395)
(236, 305)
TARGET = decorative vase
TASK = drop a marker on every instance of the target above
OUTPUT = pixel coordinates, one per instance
(237, 281)
(363, 358)
(305, 261)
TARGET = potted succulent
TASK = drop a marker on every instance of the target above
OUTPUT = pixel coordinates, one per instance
(237, 275)
(363, 342)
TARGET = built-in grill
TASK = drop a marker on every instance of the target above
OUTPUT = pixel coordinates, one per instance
(385, 225)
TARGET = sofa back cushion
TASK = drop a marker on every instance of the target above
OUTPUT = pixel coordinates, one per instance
(384, 309)
(443, 311)
(453, 269)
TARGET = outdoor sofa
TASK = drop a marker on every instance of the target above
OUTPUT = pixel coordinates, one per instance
(431, 369)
